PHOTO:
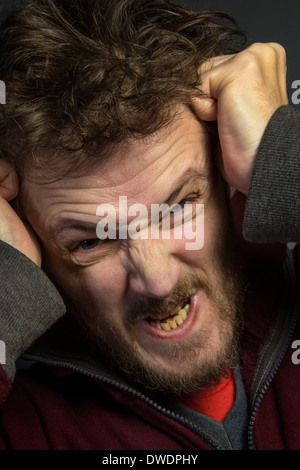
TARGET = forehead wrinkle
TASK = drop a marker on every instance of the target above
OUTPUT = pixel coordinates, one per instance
(190, 137)
(118, 170)
(137, 153)
(191, 176)
(188, 149)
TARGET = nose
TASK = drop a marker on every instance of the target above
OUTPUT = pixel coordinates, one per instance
(153, 270)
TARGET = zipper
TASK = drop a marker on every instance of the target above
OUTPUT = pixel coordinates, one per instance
(276, 345)
(170, 414)
(268, 362)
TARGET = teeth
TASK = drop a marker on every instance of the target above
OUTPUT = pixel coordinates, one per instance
(165, 326)
(179, 319)
(179, 315)
(183, 314)
(175, 310)
(172, 323)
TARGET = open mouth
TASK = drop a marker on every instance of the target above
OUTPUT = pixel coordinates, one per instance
(175, 318)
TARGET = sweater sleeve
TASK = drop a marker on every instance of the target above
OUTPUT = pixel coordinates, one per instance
(273, 203)
(29, 305)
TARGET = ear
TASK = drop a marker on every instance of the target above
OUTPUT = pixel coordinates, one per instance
(9, 181)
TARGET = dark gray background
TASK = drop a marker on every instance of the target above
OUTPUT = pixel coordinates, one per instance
(263, 20)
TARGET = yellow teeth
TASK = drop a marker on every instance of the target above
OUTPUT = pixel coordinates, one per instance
(175, 310)
(178, 318)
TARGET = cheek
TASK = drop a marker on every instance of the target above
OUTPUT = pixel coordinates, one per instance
(215, 226)
(201, 244)
(96, 287)
(102, 282)
(217, 214)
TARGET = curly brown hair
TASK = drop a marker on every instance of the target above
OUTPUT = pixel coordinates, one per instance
(83, 75)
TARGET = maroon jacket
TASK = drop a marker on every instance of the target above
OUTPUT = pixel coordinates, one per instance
(68, 401)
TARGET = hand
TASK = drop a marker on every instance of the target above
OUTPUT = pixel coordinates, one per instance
(242, 92)
(12, 229)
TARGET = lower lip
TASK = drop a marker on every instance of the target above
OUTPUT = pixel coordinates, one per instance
(182, 331)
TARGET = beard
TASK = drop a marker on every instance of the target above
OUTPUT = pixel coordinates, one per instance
(195, 370)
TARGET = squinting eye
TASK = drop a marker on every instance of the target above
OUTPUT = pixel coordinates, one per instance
(89, 244)
(180, 205)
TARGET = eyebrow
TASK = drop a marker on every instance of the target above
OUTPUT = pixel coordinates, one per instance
(191, 176)
(65, 223)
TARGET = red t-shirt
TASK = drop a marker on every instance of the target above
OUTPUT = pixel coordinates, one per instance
(214, 403)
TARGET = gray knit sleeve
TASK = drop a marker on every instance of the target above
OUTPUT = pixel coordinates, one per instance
(29, 304)
(273, 203)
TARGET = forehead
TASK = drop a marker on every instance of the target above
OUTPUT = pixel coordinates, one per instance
(135, 155)
(141, 170)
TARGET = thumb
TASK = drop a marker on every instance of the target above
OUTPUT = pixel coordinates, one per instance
(206, 105)
(205, 108)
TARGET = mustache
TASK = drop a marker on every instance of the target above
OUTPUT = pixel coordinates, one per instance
(180, 295)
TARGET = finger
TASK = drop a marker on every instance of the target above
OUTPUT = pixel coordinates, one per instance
(9, 181)
(214, 62)
(205, 108)
(281, 70)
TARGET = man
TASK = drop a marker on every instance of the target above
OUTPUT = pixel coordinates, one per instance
(119, 102)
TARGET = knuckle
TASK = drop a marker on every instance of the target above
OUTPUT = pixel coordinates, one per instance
(259, 54)
(270, 49)
(249, 59)
(277, 47)
(279, 53)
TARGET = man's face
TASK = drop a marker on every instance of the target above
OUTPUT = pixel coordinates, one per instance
(125, 291)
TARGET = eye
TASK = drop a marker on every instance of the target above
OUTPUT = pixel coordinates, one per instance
(89, 244)
(187, 200)
(180, 205)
